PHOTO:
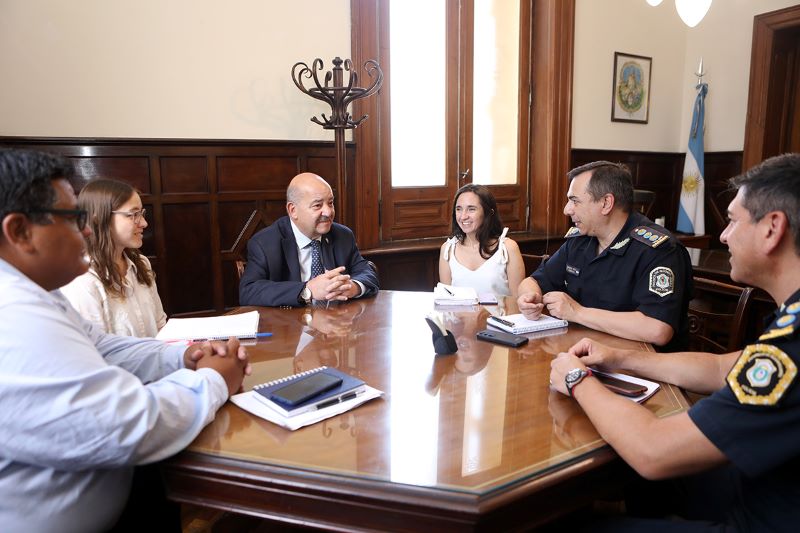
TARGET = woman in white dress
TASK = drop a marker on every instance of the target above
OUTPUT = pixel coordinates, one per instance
(479, 254)
(118, 293)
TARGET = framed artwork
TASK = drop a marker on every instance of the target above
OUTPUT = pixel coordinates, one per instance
(630, 97)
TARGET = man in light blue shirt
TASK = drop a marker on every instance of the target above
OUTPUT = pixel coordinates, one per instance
(80, 408)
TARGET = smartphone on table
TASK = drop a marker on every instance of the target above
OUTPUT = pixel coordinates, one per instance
(304, 389)
(502, 337)
(619, 386)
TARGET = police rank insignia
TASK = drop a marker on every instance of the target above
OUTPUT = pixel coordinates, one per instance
(572, 232)
(662, 281)
(621, 243)
(651, 237)
(761, 375)
(785, 326)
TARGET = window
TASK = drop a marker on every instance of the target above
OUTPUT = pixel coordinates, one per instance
(457, 110)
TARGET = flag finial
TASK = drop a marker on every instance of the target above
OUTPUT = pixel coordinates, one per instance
(700, 73)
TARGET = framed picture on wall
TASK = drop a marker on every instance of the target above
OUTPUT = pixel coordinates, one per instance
(630, 97)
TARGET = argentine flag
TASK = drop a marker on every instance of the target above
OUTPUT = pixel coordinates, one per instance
(691, 213)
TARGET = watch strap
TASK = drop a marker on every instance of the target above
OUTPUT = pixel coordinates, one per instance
(584, 374)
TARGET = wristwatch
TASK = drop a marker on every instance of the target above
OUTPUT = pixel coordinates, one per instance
(574, 377)
(305, 295)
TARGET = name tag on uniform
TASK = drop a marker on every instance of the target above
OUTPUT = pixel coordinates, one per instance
(572, 270)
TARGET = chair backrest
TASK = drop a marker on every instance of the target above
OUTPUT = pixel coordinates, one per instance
(643, 200)
(532, 262)
(718, 315)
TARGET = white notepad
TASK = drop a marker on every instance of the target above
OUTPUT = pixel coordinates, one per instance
(244, 325)
(519, 325)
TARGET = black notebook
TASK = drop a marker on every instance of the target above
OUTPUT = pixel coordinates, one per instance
(309, 391)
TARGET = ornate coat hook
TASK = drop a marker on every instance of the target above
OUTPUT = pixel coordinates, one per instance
(338, 95)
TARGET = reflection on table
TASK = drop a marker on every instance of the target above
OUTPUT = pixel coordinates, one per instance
(458, 440)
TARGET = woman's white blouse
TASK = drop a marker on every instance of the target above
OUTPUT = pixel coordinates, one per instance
(490, 277)
(139, 314)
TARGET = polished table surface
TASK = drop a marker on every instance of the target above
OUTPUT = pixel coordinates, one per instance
(469, 441)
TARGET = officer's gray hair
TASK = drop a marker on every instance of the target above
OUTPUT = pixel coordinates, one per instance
(773, 185)
(608, 178)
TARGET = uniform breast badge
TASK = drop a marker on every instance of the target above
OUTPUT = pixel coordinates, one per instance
(662, 281)
(761, 375)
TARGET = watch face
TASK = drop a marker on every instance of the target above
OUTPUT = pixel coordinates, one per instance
(573, 375)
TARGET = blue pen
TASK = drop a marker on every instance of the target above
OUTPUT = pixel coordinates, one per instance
(265, 334)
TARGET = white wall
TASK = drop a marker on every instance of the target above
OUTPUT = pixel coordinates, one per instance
(722, 38)
(165, 68)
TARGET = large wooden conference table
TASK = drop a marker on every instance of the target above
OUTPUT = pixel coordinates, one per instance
(475, 440)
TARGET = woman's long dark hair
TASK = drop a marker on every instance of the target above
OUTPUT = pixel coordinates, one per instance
(100, 197)
(492, 226)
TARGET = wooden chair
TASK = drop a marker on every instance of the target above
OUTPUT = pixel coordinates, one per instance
(643, 200)
(718, 315)
(532, 262)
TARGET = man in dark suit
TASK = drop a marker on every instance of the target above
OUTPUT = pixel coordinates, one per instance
(305, 256)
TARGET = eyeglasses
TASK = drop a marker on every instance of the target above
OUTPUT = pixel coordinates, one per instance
(78, 215)
(135, 215)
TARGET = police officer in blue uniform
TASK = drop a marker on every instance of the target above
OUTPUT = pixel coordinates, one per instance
(617, 272)
(740, 445)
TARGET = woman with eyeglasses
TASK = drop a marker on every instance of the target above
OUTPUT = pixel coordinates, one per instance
(118, 293)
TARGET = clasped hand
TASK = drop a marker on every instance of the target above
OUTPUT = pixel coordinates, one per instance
(228, 358)
(558, 304)
(333, 285)
(585, 352)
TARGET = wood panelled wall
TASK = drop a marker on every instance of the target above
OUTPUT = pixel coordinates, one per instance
(662, 173)
(200, 194)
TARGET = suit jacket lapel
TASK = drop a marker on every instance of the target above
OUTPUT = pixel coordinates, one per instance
(328, 260)
(289, 246)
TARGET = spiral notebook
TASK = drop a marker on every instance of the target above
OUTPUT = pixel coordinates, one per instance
(349, 388)
(519, 325)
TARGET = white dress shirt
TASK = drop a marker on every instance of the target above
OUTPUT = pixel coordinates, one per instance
(304, 257)
(138, 314)
(81, 407)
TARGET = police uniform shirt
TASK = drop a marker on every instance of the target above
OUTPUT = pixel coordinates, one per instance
(644, 269)
(755, 421)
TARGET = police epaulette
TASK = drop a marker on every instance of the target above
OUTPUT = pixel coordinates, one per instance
(649, 236)
(783, 326)
(573, 232)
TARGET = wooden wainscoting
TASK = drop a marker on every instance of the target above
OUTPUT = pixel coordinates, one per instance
(199, 194)
(662, 172)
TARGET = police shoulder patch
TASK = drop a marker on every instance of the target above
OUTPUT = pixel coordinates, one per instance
(761, 375)
(572, 232)
(662, 281)
(650, 236)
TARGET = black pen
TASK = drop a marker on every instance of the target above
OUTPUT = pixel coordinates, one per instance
(502, 321)
(448, 291)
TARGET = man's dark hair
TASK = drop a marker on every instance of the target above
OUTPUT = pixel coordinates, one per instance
(608, 178)
(25, 181)
(773, 185)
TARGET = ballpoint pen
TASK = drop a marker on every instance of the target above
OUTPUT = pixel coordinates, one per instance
(502, 321)
(448, 291)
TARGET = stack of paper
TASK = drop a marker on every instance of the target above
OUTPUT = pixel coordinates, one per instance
(452, 295)
(244, 325)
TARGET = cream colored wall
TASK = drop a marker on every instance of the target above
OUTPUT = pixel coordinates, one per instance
(722, 38)
(165, 68)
